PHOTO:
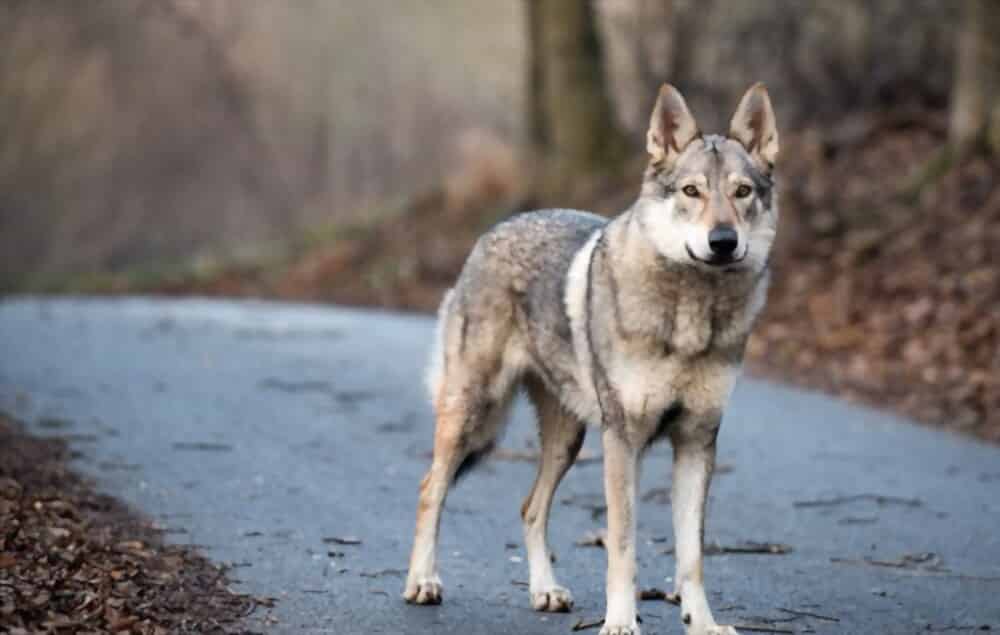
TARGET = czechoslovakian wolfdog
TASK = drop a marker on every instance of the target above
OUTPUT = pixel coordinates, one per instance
(636, 325)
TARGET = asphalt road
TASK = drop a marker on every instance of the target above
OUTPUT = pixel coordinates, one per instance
(262, 431)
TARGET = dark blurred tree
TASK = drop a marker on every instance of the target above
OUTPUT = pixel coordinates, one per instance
(570, 116)
(640, 40)
(535, 81)
(654, 43)
(975, 108)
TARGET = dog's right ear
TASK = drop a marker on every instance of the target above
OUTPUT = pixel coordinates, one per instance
(671, 127)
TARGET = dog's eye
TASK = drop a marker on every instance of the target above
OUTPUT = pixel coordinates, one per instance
(690, 190)
(743, 191)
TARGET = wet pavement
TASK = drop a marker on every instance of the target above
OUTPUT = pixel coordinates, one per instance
(288, 441)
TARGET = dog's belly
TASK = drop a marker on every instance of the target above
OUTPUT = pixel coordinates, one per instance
(581, 402)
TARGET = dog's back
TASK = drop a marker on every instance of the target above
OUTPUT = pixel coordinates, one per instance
(513, 286)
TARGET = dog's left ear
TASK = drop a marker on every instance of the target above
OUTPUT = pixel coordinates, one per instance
(754, 126)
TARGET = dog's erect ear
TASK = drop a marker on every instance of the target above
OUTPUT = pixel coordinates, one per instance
(671, 127)
(754, 126)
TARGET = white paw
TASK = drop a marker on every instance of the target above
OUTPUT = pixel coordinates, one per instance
(620, 629)
(554, 599)
(423, 591)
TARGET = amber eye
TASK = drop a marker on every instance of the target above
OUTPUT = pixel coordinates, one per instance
(690, 190)
(743, 191)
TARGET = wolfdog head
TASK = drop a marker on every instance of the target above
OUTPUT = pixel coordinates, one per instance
(708, 201)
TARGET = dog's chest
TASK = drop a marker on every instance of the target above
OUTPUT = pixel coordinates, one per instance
(689, 354)
(691, 327)
(687, 320)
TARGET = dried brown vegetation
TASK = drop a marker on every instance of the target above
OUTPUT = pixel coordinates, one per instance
(888, 288)
(74, 561)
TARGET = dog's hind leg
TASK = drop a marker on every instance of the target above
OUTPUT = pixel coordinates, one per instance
(458, 443)
(471, 403)
(423, 586)
(562, 435)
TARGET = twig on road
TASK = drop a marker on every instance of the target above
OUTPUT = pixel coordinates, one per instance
(933, 568)
(761, 628)
(810, 614)
(582, 624)
(380, 573)
(858, 520)
(879, 499)
(925, 561)
(202, 446)
(341, 540)
(749, 547)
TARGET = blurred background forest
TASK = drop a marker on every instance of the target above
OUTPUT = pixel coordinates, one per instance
(351, 152)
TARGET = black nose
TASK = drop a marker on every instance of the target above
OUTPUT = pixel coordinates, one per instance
(723, 240)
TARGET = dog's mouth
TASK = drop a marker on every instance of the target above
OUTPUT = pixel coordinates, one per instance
(726, 262)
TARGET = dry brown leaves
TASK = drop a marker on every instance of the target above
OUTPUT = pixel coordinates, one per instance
(73, 561)
(885, 299)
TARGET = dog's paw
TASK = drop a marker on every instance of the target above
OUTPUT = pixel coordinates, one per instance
(621, 629)
(555, 599)
(423, 591)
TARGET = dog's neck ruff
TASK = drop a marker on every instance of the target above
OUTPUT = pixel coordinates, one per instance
(644, 297)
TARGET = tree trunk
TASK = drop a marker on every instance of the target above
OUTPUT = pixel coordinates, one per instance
(975, 109)
(654, 45)
(638, 43)
(570, 110)
(538, 136)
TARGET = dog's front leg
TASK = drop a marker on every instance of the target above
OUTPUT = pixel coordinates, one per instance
(621, 461)
(694, 461)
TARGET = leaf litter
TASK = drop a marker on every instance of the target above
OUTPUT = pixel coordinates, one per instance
(74, 560)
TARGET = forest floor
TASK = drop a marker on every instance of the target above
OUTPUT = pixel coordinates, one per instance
(885, 288)
(75, 561)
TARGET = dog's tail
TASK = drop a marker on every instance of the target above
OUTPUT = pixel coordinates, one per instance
(435, 368)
